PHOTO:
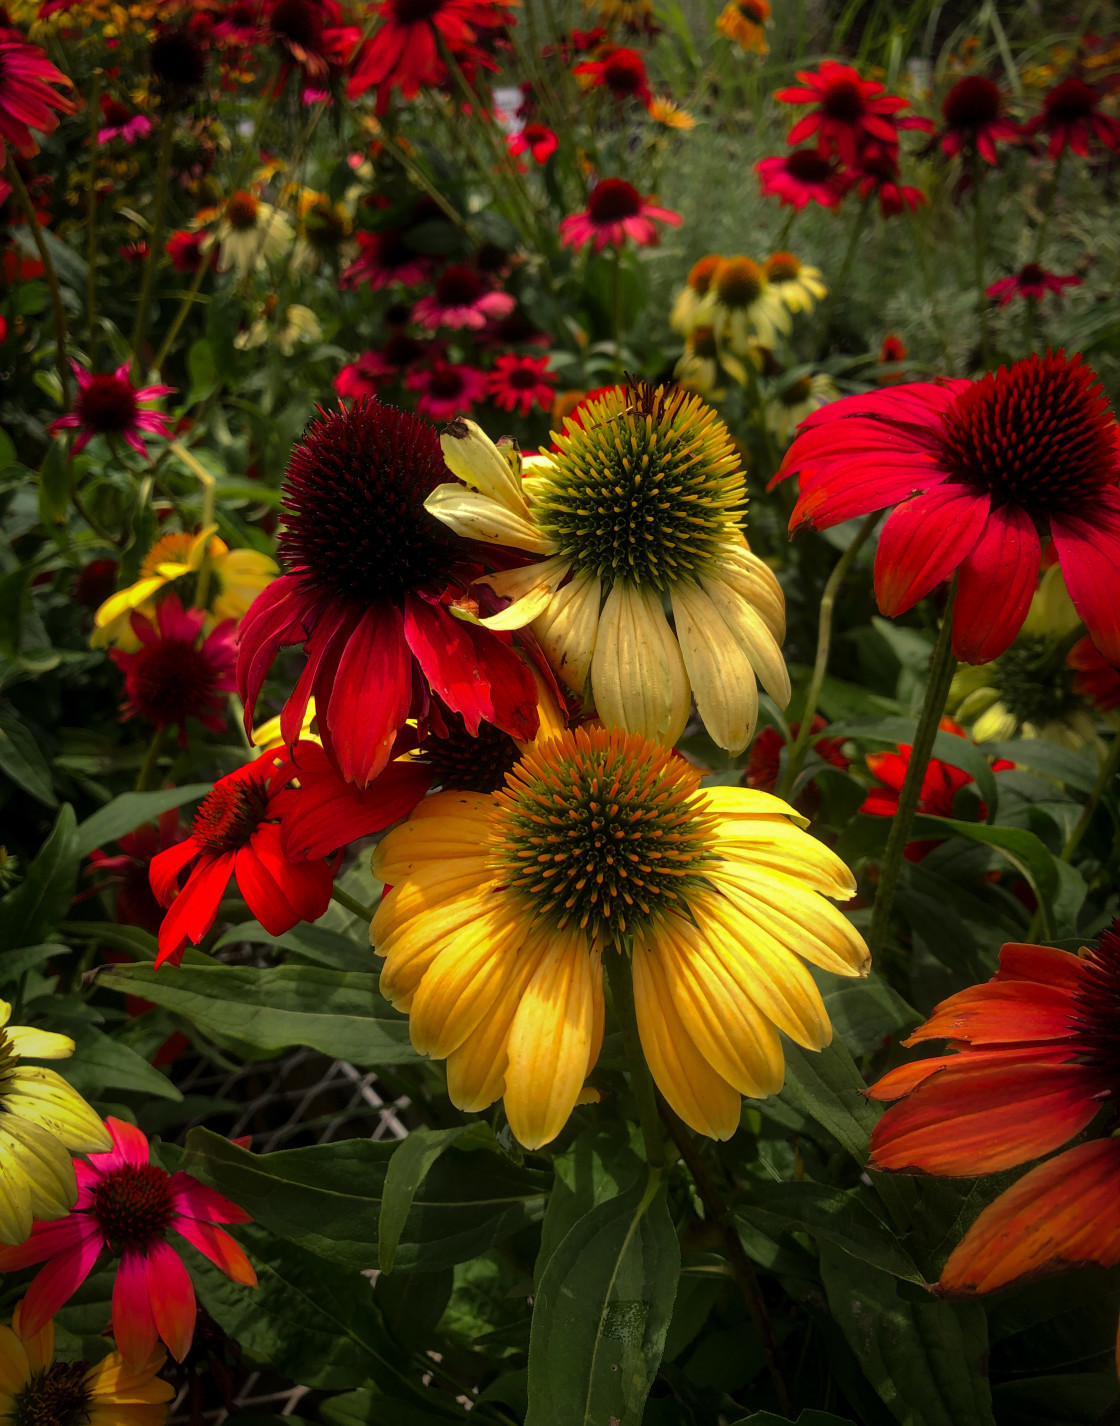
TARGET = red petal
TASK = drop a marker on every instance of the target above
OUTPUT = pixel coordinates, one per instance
(196, 1200)
(1040, 963)
(172, 1298)
(134, 1326)
(325, 813)
(324, 646)
(367, 701)
(276, 617)
(1089, 554)
(164, 869)
(922, 543)
(905, 1079)
(278, 892)
(220, 1248)
(995, 586)
(57, 1282)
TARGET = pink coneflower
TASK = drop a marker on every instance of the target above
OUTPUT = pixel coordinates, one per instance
(27, 100)
(1031, 281)
(621, 71)
(447, 390)
(535, 139)
(172, 677)
(974, 119)
(1072, 117)
(135, 251)
(109, 405)
(615, 211)
(127, 1205)
(518, 383)
(848, 110)
(461, 298)
(802, 177)
(383, 259)
(121, 122)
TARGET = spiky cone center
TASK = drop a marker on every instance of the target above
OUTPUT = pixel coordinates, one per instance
(1039, 434)
(132, 1206)
(807, 166)
(601, 830)
(1095, 1020)
(646, 490)
(56, 1395)
(613, 200)
(738, 283)
(757, 12)
(1034, 689)
(461, 763)
(842, 100)
(229, 816)
(1070, 101)
(242, 211)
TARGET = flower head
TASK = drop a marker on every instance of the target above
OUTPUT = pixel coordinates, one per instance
(128, 871)
(370, 577)
(802, 177)
(711, 894)
(461, 298)
(847, 111)
(743, 306)
(538, 140)
(687, 301)
(37, 1389)
(383, 259)
(404, 52)
(175, 675)
(187, 250)
(621, 71)
(974, 120)
(126, 1207)
(1072, 117)
(876, 175)
(1032, 282)
(518, 383)
(42, 1120)
(107, 404)
(447, 390)
(744, 23)
(615, 211)
(764, 764)
(177, 60)
(247, 233)
(641, 498)
(798, 285)
(121, 122)
(794, 400)
(29, 98)
(977, 469)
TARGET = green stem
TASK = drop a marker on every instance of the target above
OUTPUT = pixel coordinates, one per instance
(351, 904)
(1048, 208)
(783, 235)
(858, 225)
(149, 770)
(800, 744)
(616, 316)
(1109, 769)
(155, 239)
(620, 978)
(91, 219)
(60, 334)
(933, 706)
(979, 253)
(741, 1267)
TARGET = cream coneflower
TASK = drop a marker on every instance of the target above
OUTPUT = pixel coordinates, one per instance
(682, 318)
(642, 500)
(741, 304)
(504, 906)
(250, 234)
(796, 400)
(798, 285)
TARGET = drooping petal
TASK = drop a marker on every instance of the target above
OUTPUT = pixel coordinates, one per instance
(995, 586)
(722, 678)
(60, 1278)
(280, 892)
(193, 911)
(277, 617)
(171, 1295)
(637, 673)
(1088, 549)
(568, 629)
(220, 1248)
(366, 701)
(923, 541)
(134, 1325)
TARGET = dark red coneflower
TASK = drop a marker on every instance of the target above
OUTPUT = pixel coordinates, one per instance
(974, 119)
(370, 574)
(1071, 115)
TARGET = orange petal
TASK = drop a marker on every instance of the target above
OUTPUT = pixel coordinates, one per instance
(905, 1079)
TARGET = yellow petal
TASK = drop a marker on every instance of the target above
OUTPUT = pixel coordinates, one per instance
(637, 673)
(477, 517)
(39, 1346)
(741, 803)
(464, 979)
(567, 629)
(800, 920)
(723, 681)
(550, 1040)
(34, 1156)
(757, 583)
(531, 588)
(786, 850)
(473, 457)
(39, 1044)
(126, 600)
(15, 1369)
(44, 1097)
(753, 636)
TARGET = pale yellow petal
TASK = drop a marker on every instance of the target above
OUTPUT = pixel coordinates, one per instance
(126, 600)
(45, 1098)
(753, 636)
(756, 845)
(532, 589)
(473, 457)
(745, 802)
(568, 628)
(723, 681)
(757, 583)
(638, 676)
(477, 517)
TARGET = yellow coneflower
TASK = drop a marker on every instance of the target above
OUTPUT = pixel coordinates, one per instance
(698, 367)
(502, 909)
(798, 285)
(744, 22)
(682, 317)
(35, 1389)
(742, 306)
(42, 1120)
(236, 578)
(796, 400)
(297, 325)
(643, 501)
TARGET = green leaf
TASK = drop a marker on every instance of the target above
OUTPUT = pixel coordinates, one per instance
(32, 911)
(865, 1011)
(327, 1199)
(807, 1418)
(315, 944)
(408, 1168)
(130, 810)
(367, 1407)
(602, 1311)
(600, 1165)
(12, 588)
(264, 1012)
(924, 1356)
(141, 945)
(831, 1215)
(947, 747)
(14, 963)
(22, 761)
(1076, 770)
(102, 1063)
(1026, 853)
(70, 267)
(54, 485)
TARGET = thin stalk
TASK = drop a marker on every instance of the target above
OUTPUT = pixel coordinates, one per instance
(91, 219)
(155, 239)
(95, 525)
(149, 769)
(209, 500)
(616, 316)
(858, 225)
(1109, 769)
(741, 1267)
(621, 981)
(60, 332)
(933, 706)
(421, 179)
(979, 253)
(786, 229)
(800, 745)
(351, 904)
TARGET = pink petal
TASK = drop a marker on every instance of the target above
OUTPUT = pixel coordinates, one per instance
(129, 1147)
(134, 1326)
(57, 1282)
(995, 586)
(220, 1248)
(196, 1200)
(922, 543)
(47, 1241)
(171, 1295)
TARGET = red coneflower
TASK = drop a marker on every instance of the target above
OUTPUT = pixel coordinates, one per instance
(236, 833)
(127, 1206)
(186, 249)
(107, 404)
(619, 70)
(535, 139)
(370, 574)
(1072, 117)
(461, 298)
(383, 259)
(27, 99)
(374, 369)
(1030, 281)
(518, 383)
(172, 677)
(447, 390)
(940, 785)
(764, 762)
(876, 176)
(310, 34)
(802, 177)
(848, 111)
(1036, 1060)
(404, 51)
(976, 470)
(974, 119)
(1096, 679)
(615, 211)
